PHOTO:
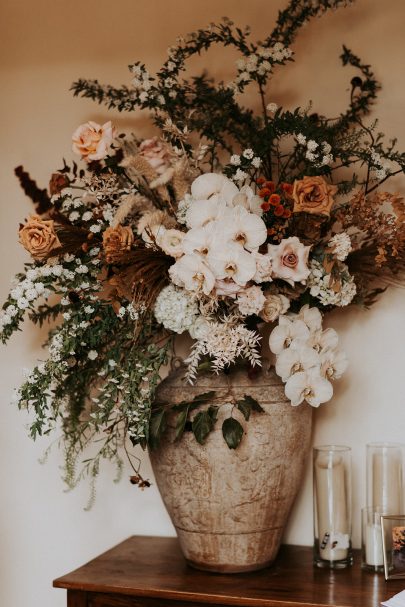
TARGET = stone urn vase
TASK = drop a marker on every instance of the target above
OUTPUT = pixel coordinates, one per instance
(230, 506)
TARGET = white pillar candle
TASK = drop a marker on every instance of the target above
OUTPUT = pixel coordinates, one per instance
(373, 545)
(331, 505)
(387, 481)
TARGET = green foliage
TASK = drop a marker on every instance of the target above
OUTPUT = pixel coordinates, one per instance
(232, 432)
(247, 405)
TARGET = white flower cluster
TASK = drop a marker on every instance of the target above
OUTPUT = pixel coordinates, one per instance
(24, 293)
(223, 342)
(236, 160)
(381, 167)
(259, 64)
(219, 254)
(319, 282)
(319, 154)
(176, 309)
(307, 357)
(341, 245)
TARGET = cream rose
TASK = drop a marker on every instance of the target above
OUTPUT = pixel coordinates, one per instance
(93, 141)
(313, 195)
(290, 259)
(171, 242)
(38, 237)
(273, 306)
(116, 242)
(156, 153)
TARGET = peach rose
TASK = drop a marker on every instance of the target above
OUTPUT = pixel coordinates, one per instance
(313, 195)
(38, 237)
(92, 141)
(116, 242)
(290, 259)
(274, 305)
(156, 153)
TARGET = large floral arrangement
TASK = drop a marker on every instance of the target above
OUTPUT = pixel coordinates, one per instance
(226, 222)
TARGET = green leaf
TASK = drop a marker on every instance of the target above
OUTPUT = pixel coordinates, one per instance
(181, 423)
(245, 408)
(213, 413)
(232, 432)
(253, 403)
(202, 425)
(157, 427)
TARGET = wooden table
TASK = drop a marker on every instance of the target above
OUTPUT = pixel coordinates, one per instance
(151, 572)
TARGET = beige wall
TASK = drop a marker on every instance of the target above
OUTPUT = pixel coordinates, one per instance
(46, 44)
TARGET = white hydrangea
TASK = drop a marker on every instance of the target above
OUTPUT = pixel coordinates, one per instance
(176, 309)
(319, 281)
(341, 245)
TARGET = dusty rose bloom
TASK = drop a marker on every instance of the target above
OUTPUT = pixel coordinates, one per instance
(58, 182)
(313, 195)
(38, 237)
(116, 242)
(156, 153)
(290, 259)
(93, 141)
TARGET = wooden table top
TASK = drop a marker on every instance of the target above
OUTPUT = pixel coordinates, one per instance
(154, 567)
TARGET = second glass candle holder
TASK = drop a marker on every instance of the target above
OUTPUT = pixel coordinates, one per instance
(332, 506)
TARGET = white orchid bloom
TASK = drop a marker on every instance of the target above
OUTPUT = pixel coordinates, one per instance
(200, 240)
(324, 340)
(309, 386)
(311, 317)
(191, 273)
(244, 228)
(286, 331)
(249, 200)
(333, 364)
(299, 357)
(201, 212)
(210, 184)
(232, 261)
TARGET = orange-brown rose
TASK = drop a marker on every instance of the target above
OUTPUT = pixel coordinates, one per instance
(116, 242)
(38, 237)
(313, 195)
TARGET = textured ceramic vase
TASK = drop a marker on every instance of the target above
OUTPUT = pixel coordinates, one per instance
(230, 507)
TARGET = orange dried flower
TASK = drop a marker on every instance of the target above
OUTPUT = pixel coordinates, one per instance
(117, 242)
(287, 213)
(265, 206)
(279, 210)
(264, 192)
(274, 200)
(287, 188)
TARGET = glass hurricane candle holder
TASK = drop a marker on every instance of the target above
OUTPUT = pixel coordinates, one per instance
(385, 477)
(332, 506)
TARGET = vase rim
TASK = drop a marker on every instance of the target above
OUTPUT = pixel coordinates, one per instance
(334, 448)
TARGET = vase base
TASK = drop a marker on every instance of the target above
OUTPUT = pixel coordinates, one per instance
(229, 568)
